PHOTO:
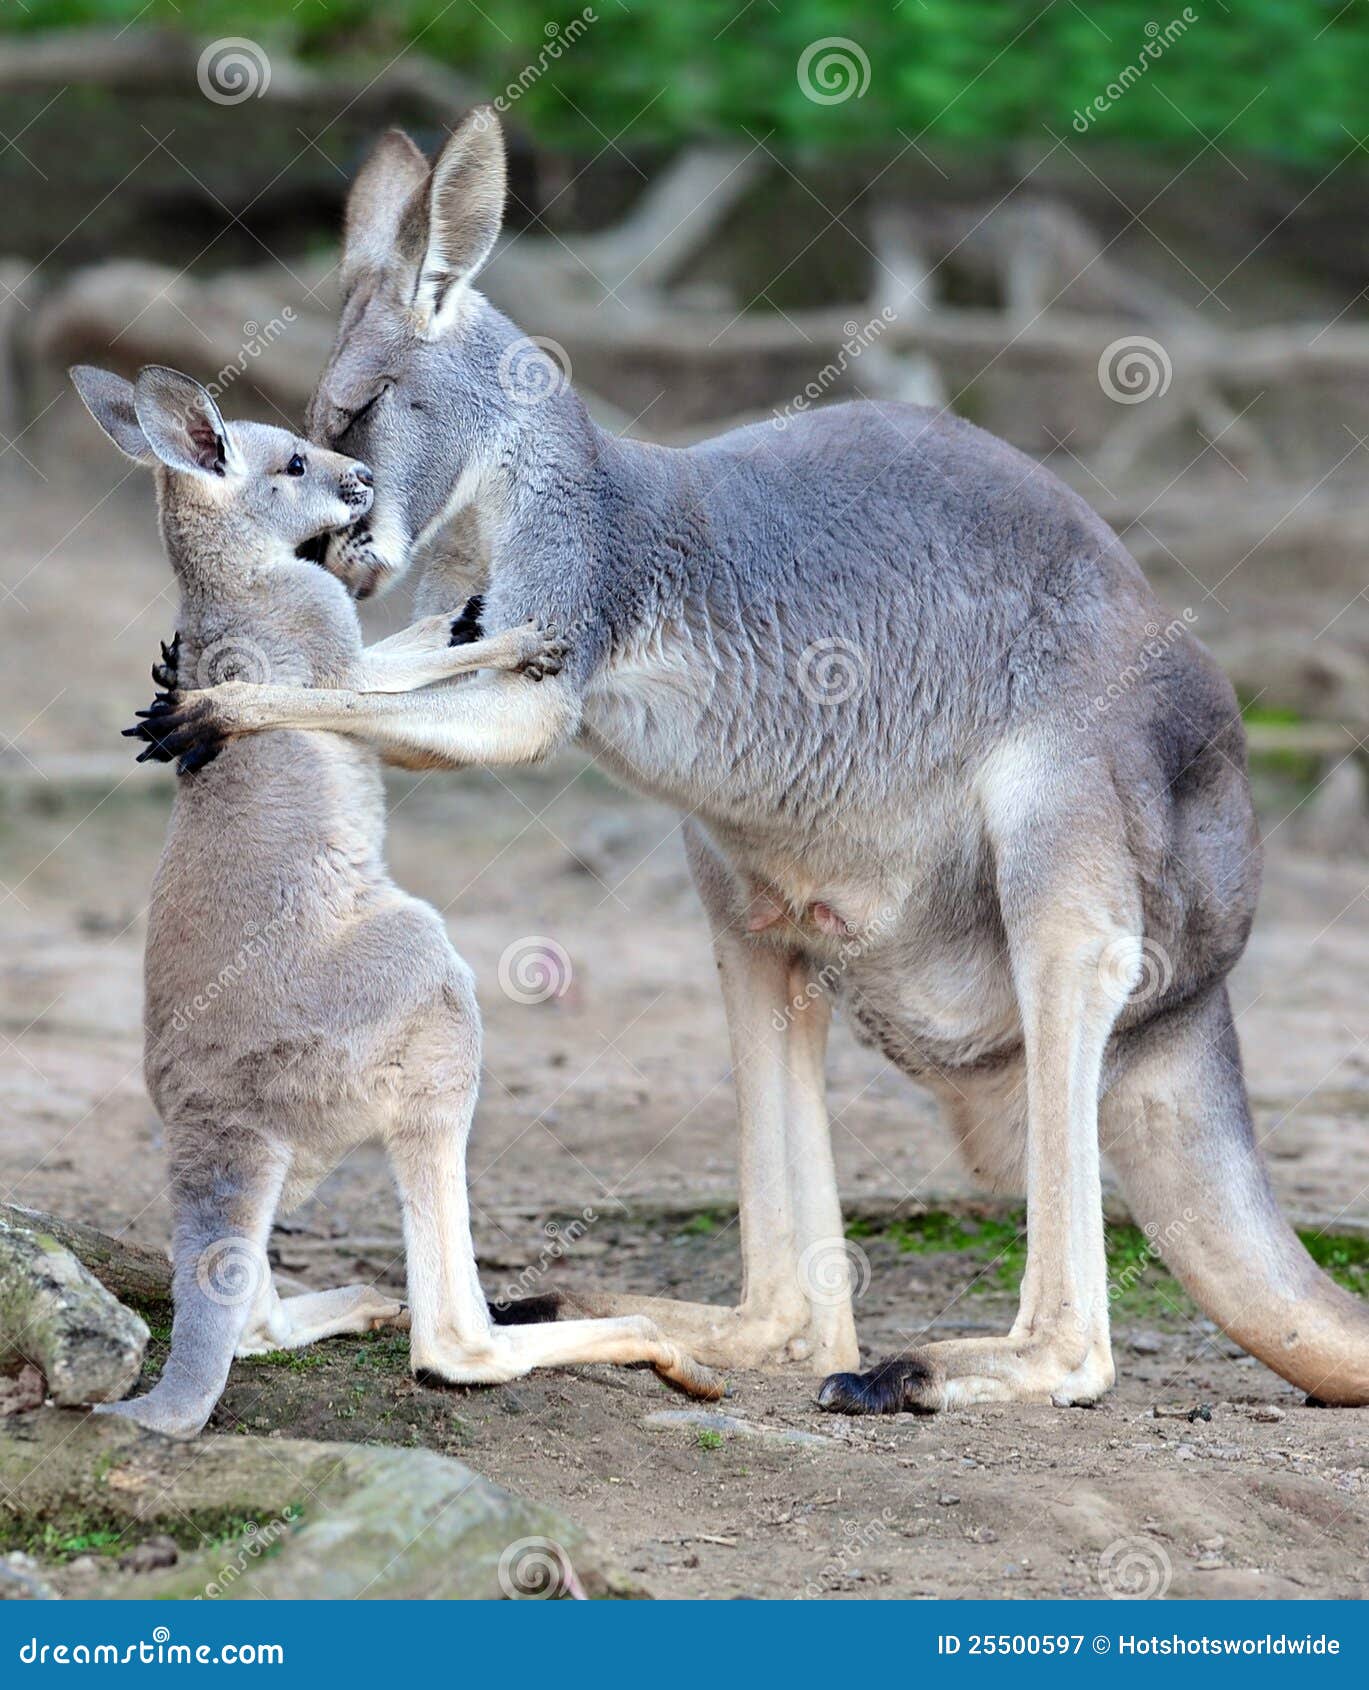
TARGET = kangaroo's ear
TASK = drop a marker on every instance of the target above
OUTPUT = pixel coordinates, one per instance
(181, 422)
(465, 209)
(109, 399)
(390, 178)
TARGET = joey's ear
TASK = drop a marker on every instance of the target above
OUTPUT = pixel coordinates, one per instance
(465, 209)
(109, 399)
(390, 178)
(181, 421)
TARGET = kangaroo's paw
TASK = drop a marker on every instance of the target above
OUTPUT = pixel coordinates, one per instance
(815, 1340)
(546, 653)
(961, 1371)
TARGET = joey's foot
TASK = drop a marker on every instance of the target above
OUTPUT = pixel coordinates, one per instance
(466, 627)
(959, 1372)
(171, 1419)
(166, 675)
(179, 727)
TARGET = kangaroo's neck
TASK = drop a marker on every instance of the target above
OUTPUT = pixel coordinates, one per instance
(249, 614)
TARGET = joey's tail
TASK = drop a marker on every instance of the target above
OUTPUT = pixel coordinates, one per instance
(1176, 1124)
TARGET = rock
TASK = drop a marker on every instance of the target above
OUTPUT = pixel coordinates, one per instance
(332, 1521)
(20, 1581)
(159, 1551)
(1146, 1344)
(948, 1499)
(710, 1420)
(57, 1316)
(1267, 1414)
(24, 1392)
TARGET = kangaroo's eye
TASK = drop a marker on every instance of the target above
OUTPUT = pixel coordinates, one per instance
(295, 466)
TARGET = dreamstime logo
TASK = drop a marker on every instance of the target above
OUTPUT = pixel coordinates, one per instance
(558, 40)
(1159, 39)
(535, 970)
(1157, 642)
(256, 942)
(534, 369)
(1134, 971)
(859, 336)
(833, 70)
(1134, 369)
(232, 70)
(1134, 1569)
(256, 338)
(559, 1240)
(832, 671)
(1157, 1238)
(860, 1537)
(233, 658)
(832, 1271)
(256, 1541)
(232, 1271)
(537, 1569)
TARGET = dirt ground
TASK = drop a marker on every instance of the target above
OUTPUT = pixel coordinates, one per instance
(615, 1098)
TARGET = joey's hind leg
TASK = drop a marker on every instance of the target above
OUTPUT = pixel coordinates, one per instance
(451, 1333)
(289, 1323)
(1070, 909)
(223, 1198)
(796, 1272)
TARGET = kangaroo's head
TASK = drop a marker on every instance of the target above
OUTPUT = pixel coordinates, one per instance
(413, 382)
(232, 499)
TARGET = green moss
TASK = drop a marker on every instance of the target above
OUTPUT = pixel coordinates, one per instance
(707, 1439)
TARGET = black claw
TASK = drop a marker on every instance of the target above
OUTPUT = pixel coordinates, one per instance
(466, 627)
(197, 756)
(888, 1388)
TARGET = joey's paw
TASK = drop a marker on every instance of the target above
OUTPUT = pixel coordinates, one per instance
(900, 1384)
(178, 727)
(466, 628)
(167, 673)
(547, 653)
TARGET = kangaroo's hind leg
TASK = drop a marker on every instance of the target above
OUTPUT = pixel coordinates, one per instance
(224, 1193)
(289, 1323)
(1070, 907)
(795, 1303)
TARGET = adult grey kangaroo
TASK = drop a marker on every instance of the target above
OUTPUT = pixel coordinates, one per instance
(297, 1002)
(940, 757)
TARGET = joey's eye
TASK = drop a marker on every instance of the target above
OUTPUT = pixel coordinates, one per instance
(295, 466)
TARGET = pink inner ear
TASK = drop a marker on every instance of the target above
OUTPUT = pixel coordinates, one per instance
(204, 437)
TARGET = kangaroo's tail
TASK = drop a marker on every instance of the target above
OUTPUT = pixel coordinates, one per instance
(1176, 1123)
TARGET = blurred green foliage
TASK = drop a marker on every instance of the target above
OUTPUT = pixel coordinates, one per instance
(1279, 77)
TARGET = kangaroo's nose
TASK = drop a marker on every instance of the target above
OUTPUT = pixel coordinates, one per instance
(362, 473)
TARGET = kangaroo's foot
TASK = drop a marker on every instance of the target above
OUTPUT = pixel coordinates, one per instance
(802, 1337)
(289, 1323)
(960, 1371)
(511, 1352)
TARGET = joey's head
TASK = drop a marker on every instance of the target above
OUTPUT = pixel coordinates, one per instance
(413, 383)
(232, 499)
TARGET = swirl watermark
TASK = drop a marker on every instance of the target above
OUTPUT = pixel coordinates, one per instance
(537, 1569)
(1135, 1569)
(232, 658)
(233, 69)
(1133, 369)
(832, 671)
(833, 70)
(535, 969)
(534, 369)
(833, 1271)
(233, 1271)
(1134, 970)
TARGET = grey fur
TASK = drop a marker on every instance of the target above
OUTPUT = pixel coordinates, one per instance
(1018, 846)
(297, 1001)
